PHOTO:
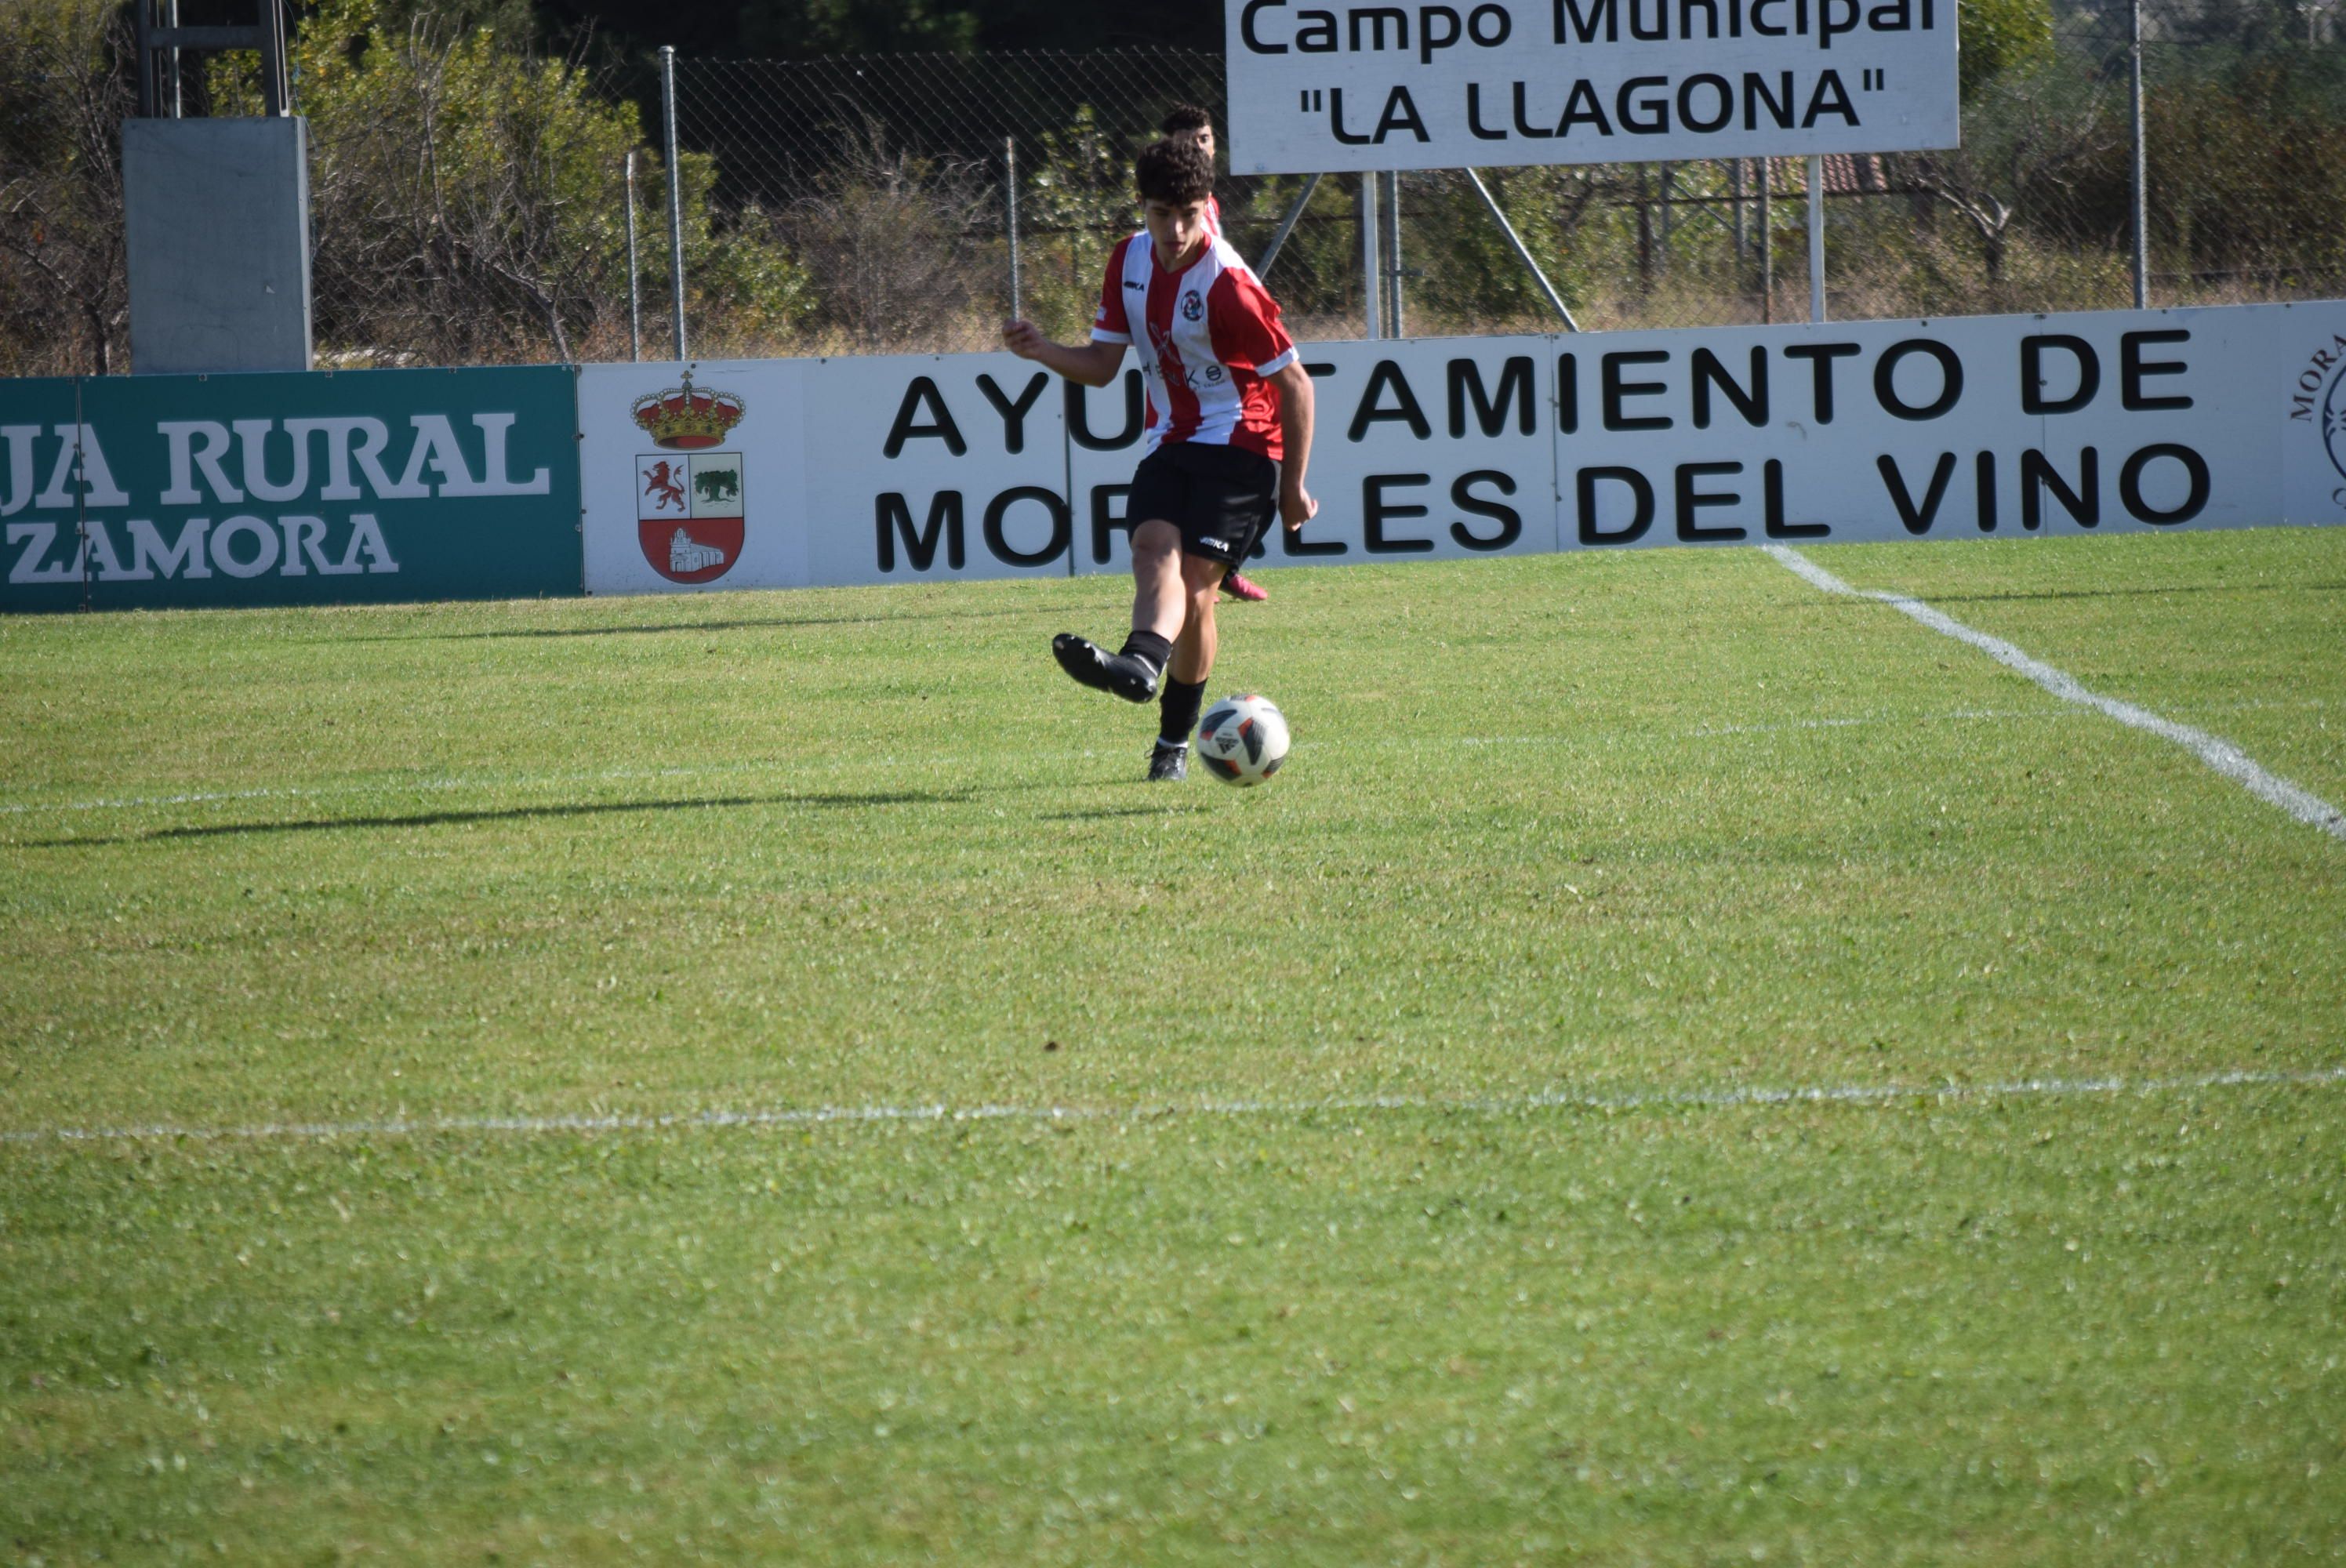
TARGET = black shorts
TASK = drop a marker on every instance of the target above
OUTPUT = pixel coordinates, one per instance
(1222, 498)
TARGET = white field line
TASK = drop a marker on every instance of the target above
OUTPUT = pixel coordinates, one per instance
(2218, 753)
(1858, 1095)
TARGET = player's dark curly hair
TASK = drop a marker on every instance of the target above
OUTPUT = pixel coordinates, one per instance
(1175, 171)
(1184, 119)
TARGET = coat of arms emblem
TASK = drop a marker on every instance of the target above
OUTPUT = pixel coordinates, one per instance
(689, 499)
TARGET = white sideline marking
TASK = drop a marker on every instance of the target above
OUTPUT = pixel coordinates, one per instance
(2214, 751)
(1709, 731)
(1560, 1100)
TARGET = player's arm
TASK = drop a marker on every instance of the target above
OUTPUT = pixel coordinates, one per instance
(1094, 364)
(1295, 412)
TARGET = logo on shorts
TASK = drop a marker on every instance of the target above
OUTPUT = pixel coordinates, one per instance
(1213, 372)
(1192, 307)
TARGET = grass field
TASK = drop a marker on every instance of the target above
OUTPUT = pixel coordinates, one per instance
(1681, 1068)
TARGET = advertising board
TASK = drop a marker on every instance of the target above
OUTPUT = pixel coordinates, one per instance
(158, 492)
(982, 465)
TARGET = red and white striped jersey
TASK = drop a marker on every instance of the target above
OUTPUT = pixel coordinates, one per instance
(1207, 337)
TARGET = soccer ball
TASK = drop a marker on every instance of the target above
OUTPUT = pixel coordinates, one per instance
(1242, 740)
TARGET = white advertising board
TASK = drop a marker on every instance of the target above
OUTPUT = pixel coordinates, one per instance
(1444, 452)
(694, 477)
(892, 470)
(1329, 88)
(936, 464)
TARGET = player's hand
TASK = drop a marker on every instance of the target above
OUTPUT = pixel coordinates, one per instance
(1024, 339)
(1297, 506)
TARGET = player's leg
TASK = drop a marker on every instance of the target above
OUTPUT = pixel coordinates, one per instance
(1157, 594)
(1233, 501)
(1184, 689)
(1238, 585)
(1134, 671)
(1199, 587)
(1159, 491)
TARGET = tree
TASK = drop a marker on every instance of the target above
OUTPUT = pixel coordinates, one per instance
(64, 277)
(1999, 36)
(2028, 134)
(2035, 122)
(885, 240)
(468, 196)
(795, 29)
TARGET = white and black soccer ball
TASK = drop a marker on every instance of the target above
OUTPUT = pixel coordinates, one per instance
(1242, 740)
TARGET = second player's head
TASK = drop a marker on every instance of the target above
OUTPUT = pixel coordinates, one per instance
(1188, 122)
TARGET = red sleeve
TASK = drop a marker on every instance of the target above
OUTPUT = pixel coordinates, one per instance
(1245, 320)
(1111, 325)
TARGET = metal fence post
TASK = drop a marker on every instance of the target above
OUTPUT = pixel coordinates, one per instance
(1391, 197)
(1523, 252)
(2141, 183)
(1766, 241)
(1816, 237)
(1372, 297)
(674, 195)
(1670, 184)
(1734, 205)
(1010, 216)
(635, 292)
(1287, 226)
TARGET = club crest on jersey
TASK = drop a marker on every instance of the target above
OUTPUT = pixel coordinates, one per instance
(690, 507)
(1192, 307)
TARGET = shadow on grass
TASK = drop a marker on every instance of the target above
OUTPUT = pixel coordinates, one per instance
(1167, 809)
(507, 814)
(757, 624)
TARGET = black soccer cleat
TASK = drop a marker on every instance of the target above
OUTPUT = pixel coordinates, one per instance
(1127, 676)
(1168, 764)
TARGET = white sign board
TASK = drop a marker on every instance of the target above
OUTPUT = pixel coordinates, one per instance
(936, 464)
(1331, 88)
(694, 480)
(982, 465)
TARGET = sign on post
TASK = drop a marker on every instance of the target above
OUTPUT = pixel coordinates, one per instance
(1323, 88)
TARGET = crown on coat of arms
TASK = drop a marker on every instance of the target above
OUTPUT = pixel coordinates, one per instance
(686, 417)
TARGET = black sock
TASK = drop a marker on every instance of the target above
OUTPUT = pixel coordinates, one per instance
(1156, 650)
(1177, 712)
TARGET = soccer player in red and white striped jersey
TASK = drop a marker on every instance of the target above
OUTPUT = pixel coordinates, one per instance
(1228, 436)
(1187, 121)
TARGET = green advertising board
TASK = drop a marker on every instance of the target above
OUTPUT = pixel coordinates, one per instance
(153, 492)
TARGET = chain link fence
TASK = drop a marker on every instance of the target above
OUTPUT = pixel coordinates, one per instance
(889, 181)
(470, 203)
